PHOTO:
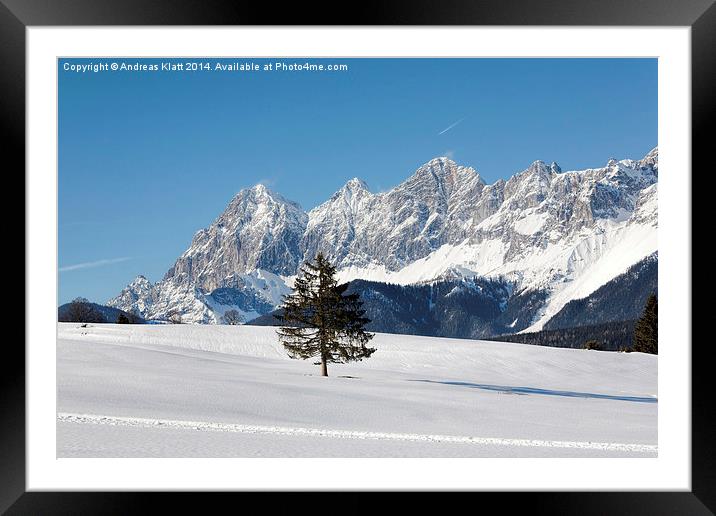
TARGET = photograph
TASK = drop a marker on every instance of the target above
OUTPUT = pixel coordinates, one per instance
(429, 257)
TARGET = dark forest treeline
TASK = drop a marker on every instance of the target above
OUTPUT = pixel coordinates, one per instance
(621, 299)
(84, 311)
(459, 308)
(611, 336)
(481, 308)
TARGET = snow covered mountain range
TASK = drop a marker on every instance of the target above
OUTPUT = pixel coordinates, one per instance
(562, 233)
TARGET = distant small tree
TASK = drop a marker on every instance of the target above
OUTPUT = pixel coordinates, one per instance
(646, 334)
(321, 321)
(593, 344)
(233, 317)
(81, 310)
(122, 319)
(174, 317)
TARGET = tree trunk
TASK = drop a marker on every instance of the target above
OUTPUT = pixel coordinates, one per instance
(324, 367)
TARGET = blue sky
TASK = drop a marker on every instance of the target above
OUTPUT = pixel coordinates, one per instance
(148, 158)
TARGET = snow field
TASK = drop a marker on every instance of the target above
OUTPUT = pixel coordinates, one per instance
(231, 391)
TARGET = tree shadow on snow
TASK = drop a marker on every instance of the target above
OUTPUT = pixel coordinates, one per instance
(546, 392)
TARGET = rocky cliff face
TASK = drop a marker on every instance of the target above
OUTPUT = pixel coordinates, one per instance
(543, 229)
(136, 298)
(356, 228)
(259, 229)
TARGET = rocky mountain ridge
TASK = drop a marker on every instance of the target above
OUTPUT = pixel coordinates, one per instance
(543, 229)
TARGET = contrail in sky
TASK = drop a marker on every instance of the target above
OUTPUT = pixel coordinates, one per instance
(88, 265)
(450, 127)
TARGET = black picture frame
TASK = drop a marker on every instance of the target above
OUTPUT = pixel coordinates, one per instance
(17, 15)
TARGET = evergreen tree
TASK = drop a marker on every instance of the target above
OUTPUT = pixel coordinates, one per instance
(232, 317)
(593, 344)
(320, 320)
(646, 337)
(122, 319)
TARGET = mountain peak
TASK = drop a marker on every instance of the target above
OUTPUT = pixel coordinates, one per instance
(139, 284)
(441, 159)
(260, 188)
(350, 193)
(651, 159)
(541, 168)
(355, 184)
(443, 167)
(259, 194)
(440, 163)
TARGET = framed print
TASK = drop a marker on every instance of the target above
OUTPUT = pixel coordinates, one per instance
(421, 252)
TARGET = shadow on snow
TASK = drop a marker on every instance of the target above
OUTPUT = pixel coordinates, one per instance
(546, 392)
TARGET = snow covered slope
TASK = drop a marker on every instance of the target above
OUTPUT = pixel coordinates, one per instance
(213, 391)
(565, 233)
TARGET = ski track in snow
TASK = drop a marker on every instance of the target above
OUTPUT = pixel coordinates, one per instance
(65, 417)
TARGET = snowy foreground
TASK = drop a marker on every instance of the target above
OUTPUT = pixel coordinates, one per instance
(230, 391)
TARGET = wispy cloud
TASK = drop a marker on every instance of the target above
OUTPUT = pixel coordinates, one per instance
(97, 263)
(268, 182)
(450, 126)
